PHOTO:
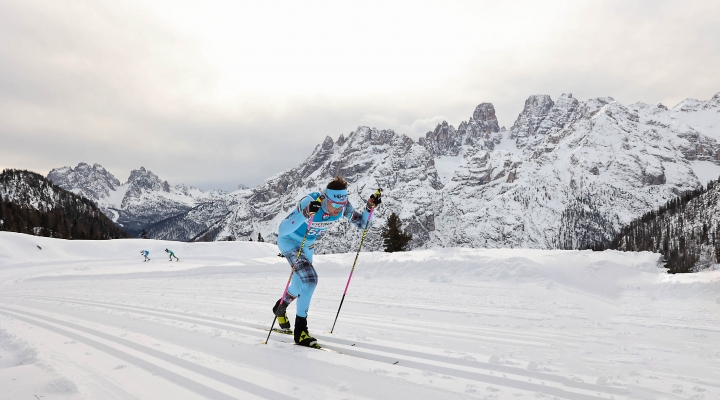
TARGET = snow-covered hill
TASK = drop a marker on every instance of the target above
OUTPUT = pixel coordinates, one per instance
(141, 201)
(91, 320)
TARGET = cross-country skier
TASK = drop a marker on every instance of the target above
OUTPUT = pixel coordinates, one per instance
(171, 254)
(324, 209)
(146, 254)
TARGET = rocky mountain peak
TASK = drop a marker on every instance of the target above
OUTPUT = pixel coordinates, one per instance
(483, 122)
(142, 179)
(592, 106)
(485, 113)
(370, 136)
(341, 140)
(535, 111)
(479, 132)
(444, 140)
(562, 113)
(93, 182)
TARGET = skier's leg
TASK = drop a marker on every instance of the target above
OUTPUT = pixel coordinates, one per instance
(305, 280)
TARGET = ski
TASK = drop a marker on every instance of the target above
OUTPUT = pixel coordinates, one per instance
(318, 347)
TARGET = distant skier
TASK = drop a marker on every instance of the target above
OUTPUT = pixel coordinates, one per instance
(146, 254)
(325, 209)
(171, 254)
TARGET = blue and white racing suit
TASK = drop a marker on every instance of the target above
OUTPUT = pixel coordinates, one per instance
(290, 236)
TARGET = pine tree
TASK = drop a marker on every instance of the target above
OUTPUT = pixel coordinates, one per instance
(143, 234)
(260, 238)
(394, 239)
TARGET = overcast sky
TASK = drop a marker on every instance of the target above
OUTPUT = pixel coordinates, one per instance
(218, 93)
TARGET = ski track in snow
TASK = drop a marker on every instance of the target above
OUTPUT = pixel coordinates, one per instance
(91, 320)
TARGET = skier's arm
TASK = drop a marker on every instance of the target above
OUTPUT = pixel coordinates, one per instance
(296, 218)
(359, 219)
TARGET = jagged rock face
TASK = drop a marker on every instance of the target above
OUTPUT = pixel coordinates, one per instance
(141, 181)
(562, 113)
(541, 116)
(140, 202)
(443, 141)
(484, 121)
(92, 182)
(535, 111)
(480, 131)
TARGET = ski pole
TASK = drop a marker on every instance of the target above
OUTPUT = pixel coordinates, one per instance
(354, 263)
(297, 257)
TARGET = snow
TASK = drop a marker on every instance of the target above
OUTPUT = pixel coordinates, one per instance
(703, 116)
(446, 167)
(508, 145)
(115, 199)
(81, 319)
(705, 171)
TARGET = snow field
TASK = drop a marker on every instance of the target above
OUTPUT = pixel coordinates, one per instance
(91, 320)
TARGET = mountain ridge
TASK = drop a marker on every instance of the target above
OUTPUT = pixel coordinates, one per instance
(567, 174)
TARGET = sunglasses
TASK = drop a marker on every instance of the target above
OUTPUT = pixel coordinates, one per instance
(336, 204)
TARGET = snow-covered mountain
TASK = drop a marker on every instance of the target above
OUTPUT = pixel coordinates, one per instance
(30, 203)
(141, 201)
(567, 174)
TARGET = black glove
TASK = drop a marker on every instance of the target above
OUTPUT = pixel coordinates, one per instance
(314, 206)
(374, 201)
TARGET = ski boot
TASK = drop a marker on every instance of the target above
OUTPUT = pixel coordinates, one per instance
(282, 318)
(302, 336)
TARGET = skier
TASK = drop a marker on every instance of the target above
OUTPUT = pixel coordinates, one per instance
(171, 254)
(146, 254)
(323, 209)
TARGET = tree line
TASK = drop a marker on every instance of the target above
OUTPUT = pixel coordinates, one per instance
(685, 230)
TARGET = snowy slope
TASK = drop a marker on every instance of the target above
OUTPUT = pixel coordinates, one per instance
(90, 320)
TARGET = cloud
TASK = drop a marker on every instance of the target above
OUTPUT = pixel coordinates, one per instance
(217, 93)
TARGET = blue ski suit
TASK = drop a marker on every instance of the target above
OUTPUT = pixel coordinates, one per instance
(290, 236)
